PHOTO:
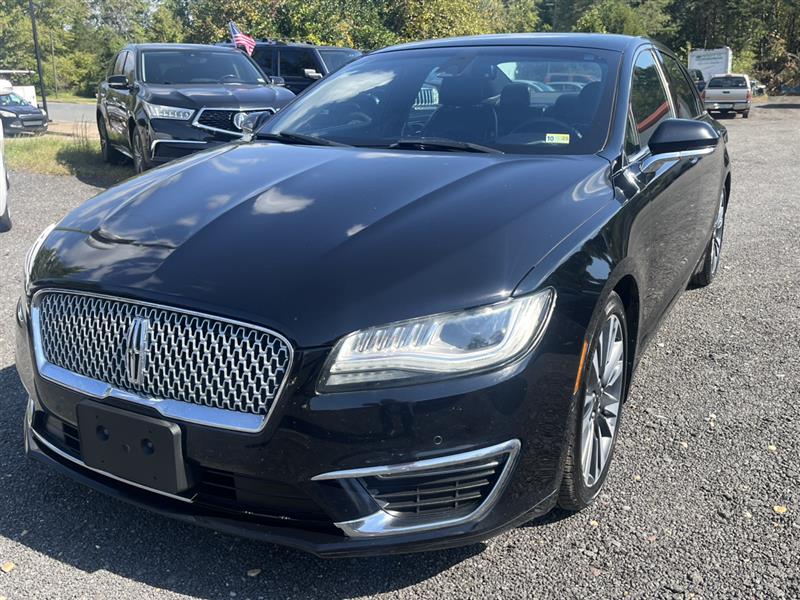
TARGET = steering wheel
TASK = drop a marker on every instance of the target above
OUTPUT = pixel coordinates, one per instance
(544, 126)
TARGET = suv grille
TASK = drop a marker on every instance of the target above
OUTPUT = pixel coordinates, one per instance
(222, 119)
(186, 357)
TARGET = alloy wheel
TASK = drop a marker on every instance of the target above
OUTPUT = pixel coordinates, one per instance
(719, 231)
(602, 399)
(138, 153)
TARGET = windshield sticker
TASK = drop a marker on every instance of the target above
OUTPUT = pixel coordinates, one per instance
(556, 138)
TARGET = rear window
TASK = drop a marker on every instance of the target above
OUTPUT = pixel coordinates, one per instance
(336, 59)
(727, 82)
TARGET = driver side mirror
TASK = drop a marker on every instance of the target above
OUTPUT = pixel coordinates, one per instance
(312, 74)
(118, 82)
(275, 80)
(677, 139)
(253, 121)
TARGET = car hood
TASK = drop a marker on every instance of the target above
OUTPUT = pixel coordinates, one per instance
(25, 109)
(217, 95)
(317, 241)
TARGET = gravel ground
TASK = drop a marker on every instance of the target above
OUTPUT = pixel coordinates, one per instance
(708, 457)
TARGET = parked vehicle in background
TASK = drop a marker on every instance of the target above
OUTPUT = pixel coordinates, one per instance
(300, 64)
(728, 93)
(711, 61)
(163, 101)
(5, 213)
(758, 88)
(698, 78)
(368, 328)
(17, 115)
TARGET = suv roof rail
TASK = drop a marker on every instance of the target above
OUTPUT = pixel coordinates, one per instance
(285, 42)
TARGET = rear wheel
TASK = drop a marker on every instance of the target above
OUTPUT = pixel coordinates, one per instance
(710, 264)
(746, 114)
(599, 409)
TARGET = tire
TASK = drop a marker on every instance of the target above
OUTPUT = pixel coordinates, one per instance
(109, 154)
(710, 263)
(597, 414)
(138, 146)
(746, 114)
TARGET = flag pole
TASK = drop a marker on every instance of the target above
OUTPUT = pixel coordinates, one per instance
(38, 57)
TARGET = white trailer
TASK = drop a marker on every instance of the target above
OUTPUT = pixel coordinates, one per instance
(715, 61)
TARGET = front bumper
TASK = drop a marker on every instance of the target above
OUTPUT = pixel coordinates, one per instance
(23, 125)
(301, 480)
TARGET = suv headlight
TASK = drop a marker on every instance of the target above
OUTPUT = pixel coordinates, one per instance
(157, 111)
(437, 346)
(31, 255)
(7, 114)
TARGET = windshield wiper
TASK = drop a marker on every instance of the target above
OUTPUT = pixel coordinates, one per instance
(441, 144)
(296, 138)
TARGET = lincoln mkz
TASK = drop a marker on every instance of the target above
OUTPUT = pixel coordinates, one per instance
(403, 313)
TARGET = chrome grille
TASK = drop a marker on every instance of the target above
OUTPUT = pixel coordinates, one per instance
(188, 357)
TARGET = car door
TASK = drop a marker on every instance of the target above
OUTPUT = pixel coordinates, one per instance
(295, 64)
(666, 204)
(116, 103)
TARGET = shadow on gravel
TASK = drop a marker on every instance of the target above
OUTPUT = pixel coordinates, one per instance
(72, 524)
(779, 105)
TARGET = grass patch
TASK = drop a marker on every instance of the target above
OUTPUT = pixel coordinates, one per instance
(61, 155)
(67, 97)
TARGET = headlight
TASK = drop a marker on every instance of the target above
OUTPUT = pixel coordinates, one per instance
(32, 252)
(8, 114)
(157, 111)
(441, 345)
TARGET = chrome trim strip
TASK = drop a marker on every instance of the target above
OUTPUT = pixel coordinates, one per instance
(65, 456)
(382, 523)
(175, 409)
(653, 163)
(187, 142)
(195, 122)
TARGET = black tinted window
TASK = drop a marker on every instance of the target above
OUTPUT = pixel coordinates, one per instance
(294, 61)
(727, 82)
(184, 67)
(130, 67)
(336, 59)
(263, 56)
(683, 95)
(649, 102)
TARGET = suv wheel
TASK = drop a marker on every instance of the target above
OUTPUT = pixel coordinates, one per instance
(140, 162)
(710, 263)
(109, 154)
(598, 411)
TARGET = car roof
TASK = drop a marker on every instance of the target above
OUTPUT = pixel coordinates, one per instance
(598, 41)
(186, 47)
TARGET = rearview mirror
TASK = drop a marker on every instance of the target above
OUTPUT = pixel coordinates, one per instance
(675, 139)
(312, 74)
(253, 121)
(118, 82)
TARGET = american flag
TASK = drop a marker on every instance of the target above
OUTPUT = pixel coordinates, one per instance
(241, 39)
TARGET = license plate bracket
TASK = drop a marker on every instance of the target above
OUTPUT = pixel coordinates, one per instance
(134, 447)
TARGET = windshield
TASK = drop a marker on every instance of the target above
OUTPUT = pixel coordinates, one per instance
(12, 100)
(727, 82)
(205, 66)
(336, 59)
(494, 97)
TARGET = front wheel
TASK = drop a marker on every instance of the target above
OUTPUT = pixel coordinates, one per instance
(140, 162)
(598, 411)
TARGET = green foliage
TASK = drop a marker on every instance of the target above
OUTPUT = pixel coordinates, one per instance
(79, 37)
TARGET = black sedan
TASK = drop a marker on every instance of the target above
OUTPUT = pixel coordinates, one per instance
(384, 320)
(164, 101)
(18, 116)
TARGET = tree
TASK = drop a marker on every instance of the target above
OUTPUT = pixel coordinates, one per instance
(611, 16)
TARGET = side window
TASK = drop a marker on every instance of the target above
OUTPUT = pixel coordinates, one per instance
(129, 69)
(263, 57)
(120, 63)
(683, 90)
(631, 137)
(649, 102)
(294, 61)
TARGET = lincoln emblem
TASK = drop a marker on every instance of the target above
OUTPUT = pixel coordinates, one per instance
(136, 350)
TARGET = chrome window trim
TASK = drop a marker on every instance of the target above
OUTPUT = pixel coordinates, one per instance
(174, 409)
(195, 122)
(381, 523)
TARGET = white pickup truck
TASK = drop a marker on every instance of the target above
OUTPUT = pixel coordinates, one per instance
(728, 93)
